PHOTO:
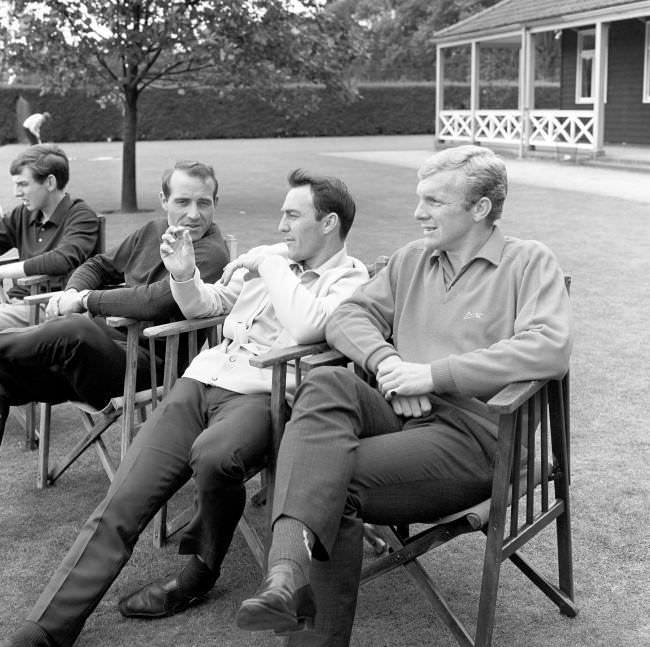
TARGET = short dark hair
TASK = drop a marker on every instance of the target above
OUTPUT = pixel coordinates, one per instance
(330, 195)
(43, 160)
(195, 169)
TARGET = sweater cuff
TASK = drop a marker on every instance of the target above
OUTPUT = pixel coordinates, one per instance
(443, 382)
(30, 267)
(192, 278)
(378, 356)
(92, 301)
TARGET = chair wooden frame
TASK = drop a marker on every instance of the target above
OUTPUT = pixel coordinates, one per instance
(530, 414)
(533, 450)
(279, 361)
(39, 285)
(125, 406)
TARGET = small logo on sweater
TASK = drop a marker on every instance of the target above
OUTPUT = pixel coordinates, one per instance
(473, 315)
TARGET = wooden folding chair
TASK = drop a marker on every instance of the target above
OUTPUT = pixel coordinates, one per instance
(532, 453)
(125, 406)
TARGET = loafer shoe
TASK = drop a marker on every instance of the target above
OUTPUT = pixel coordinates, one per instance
(278, 605)
(157, 601)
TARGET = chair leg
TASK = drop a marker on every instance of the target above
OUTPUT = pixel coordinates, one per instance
(553, 593)
(30, 426)
(432, 593)
(160, 527)
(42, 477)
(489, 589)
(103, 423)
(565, 564)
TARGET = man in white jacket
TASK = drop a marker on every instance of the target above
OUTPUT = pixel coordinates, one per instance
(215, 423)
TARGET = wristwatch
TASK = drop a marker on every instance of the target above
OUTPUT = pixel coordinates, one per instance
(84, 298)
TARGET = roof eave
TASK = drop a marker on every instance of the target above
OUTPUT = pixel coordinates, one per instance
(611, 14)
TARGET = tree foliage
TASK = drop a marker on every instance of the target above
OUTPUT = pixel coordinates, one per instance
(115, 49)
(399, 33)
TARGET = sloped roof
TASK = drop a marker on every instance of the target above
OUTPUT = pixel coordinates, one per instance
(513, 14)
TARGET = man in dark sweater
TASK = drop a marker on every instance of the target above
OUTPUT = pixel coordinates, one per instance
(74, 357)
(52, 233)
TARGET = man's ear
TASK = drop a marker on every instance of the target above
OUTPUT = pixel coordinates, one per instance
(50, 181)
(481, 209)
(163, 200)
(329, 222)
(216, 200)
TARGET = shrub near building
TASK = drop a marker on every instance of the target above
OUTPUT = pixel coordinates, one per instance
(381, 109)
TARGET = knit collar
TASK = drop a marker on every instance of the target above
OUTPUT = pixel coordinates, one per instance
(36, 217)
(491, 250)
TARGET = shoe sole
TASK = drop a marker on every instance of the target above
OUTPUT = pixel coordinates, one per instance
(259, 617)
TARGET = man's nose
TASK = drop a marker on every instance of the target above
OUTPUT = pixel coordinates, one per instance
(284, 224)
(420, 212)
(192, 211)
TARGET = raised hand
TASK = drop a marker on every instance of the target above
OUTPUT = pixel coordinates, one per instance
(177, 253)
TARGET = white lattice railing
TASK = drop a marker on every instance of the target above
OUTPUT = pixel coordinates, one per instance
(572, 128)
(558, 128)
(498, 126)
(455, 124)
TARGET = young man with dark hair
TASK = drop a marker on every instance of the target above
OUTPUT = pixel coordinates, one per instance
(53, 233)
(214, 424)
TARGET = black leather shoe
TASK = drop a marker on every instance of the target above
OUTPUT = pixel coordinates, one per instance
(278, 604)
(157, 601)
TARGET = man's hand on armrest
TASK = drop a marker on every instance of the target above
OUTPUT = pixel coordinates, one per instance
(65, 303)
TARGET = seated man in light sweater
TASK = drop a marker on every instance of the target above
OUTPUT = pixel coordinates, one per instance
(453, 318)
(215, 423)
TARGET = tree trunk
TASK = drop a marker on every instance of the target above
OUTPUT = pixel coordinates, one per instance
(129, 138)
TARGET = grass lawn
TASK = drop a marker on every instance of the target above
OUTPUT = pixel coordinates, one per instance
(601, 234)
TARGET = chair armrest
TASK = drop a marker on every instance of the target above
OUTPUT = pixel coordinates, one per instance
(34, 279)
(512, 396)
(287, 354)
(121, 322)
(38, 299)
(187, 325)
(329, 357)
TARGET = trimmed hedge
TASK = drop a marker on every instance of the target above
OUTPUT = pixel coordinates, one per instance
(383, 108)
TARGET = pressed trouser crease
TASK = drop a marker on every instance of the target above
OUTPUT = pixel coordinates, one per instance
(191, 420)
(347, 458)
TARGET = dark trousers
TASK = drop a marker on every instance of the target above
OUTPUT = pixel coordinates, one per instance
(67, 358)
(346, 457)
(219, 437)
